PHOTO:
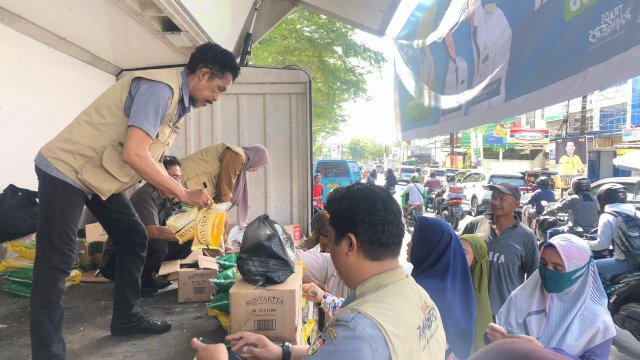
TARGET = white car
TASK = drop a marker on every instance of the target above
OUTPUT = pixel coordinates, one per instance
(476, 189)
(404, 175)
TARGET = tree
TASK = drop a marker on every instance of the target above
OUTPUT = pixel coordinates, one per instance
(364, 150)
(337, 62)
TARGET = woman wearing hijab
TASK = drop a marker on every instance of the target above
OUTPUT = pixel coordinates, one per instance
(372, 178)
(476, 250)
(221, 169)
(440, 267)
(390, 181)
(562, 306)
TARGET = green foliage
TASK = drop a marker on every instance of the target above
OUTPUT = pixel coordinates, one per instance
(363, 150)
(337, 63)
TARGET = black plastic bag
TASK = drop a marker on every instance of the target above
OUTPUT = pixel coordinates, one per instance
(267, 254)
(18, 212)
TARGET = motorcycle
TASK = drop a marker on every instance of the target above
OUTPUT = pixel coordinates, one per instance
(449, 205)
(411, 217)
(623, 293)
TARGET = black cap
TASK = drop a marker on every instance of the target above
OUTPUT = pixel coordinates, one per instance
(507, 188)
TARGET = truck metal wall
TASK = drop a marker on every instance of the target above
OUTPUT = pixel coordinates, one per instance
(269, 107)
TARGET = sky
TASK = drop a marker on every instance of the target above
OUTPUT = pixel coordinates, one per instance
(375, 118)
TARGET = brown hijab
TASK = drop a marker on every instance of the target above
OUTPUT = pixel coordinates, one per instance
(257, 156)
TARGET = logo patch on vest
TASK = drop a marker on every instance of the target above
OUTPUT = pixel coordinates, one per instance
(331, 332)
(316, 345)
(428, 326)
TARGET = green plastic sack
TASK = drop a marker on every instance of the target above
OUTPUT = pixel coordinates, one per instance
(220, 302)
(225, 280)
(227, 261)
(19, 289)
(18, 275)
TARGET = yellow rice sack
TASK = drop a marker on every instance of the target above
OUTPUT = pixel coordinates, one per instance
(223, 317)
(209, 228)
(18, 262)
(183, 224)
(24, 246)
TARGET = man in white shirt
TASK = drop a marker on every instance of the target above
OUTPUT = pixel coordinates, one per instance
(415, 193)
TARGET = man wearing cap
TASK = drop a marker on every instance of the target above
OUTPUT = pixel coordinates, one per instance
(511, 246)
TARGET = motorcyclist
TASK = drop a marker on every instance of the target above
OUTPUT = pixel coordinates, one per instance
(415, 196)
(390, 181)
(419, 172)
(433, 183)
(534, 206)
(581, 207)
(372, 178)
(612, 199)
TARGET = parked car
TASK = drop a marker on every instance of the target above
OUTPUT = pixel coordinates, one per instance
(631, 183)
(337, 173)
(405, 172)
(379, 168)
(476, 189)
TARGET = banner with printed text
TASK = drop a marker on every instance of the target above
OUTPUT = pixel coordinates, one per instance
(464, 63)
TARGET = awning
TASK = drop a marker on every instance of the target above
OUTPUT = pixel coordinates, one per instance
(112, 35)
(629, 162)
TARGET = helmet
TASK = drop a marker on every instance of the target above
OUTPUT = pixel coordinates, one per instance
(580, 184)
(415, 178)
(611, 194)
(542, 182)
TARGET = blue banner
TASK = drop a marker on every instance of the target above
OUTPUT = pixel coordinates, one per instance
(464, 63)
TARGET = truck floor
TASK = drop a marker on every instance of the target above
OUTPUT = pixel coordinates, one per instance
(86, 329)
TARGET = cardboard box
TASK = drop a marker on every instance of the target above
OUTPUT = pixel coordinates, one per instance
(274, 311)
(193, 274)
(295, 231)
(95, 232)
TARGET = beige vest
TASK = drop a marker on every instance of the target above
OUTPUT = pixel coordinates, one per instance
(200, 169)
(89, 149)
(405, 314)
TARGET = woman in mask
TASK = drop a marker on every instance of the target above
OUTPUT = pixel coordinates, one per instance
(562, 306)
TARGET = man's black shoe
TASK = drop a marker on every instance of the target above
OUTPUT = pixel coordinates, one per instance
(161, 282)
(146, 327)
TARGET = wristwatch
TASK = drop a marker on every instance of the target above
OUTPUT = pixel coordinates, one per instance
(286, 351)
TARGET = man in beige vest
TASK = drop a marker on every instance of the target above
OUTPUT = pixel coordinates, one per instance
(113, 144)
(389, 316)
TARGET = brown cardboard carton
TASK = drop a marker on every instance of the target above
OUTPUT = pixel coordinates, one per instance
(193, 274)
(95, 232)
(274, 311)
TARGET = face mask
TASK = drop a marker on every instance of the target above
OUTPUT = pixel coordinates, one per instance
(556, 282)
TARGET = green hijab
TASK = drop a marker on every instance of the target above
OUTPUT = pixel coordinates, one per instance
(480, 278)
